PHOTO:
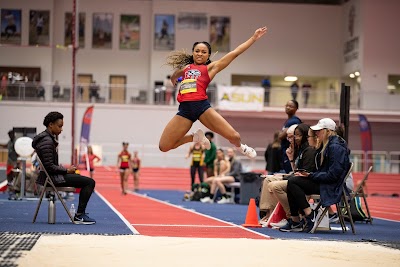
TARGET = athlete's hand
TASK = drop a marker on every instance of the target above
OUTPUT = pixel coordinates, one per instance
(259, 32)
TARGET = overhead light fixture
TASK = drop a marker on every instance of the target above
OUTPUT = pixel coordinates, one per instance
(352, 75)
(290, 78)
(391, 87)
(357, 73)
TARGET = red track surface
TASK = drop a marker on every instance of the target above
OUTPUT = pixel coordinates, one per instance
(155, 218)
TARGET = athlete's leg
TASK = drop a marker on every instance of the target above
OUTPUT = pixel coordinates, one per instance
(216, 123)
(174, 133)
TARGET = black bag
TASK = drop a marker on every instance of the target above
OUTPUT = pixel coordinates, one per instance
(200, 191)
(356, 209)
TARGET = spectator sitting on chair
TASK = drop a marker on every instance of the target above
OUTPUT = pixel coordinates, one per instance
(303, 157)
(332, 162)
(46, 144)
(220, 181)
(267, 200)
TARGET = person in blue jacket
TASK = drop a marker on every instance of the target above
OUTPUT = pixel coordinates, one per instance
(332, 161)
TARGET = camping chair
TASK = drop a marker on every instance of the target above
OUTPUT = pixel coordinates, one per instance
(340, 206)
(359, 192)
(50, 187)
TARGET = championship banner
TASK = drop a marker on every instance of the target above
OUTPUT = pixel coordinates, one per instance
(240, 98)
(85, 131)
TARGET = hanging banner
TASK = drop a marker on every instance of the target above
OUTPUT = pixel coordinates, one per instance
(240, 98)
(365, 134)
(85, 131)
(366, 140)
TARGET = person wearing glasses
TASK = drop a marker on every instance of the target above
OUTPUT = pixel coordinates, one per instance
(332, 162)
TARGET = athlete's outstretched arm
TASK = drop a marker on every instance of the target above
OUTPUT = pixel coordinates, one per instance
(218, 65)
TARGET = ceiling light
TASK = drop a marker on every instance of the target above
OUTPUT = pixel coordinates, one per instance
(391, 87)
(352, 75)
(290, 78)
(357, 73)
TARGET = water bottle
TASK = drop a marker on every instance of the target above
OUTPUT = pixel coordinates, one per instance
(72, 210)
(52, 212)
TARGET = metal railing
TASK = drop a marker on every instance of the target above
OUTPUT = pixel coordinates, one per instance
(142, 94)
(382, 161)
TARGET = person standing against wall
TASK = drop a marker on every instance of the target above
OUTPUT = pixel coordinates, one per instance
(294, 89)
(306, 88)
(291, 108)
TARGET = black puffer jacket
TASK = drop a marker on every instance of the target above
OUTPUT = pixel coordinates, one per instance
(45, 145)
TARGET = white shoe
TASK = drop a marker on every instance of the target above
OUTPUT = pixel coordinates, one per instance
(278, 225)
(206, 200)
(199, 137)
(263, 221)
(248, 151)
(223, 201)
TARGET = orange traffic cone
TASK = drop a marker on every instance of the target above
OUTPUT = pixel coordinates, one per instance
(251, 217)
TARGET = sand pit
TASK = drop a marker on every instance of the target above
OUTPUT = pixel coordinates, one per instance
(95, 250)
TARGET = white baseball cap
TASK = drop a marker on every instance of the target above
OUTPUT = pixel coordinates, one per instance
(291, 129)
(325, 123)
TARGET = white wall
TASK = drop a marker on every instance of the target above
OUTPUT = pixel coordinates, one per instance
(302, 40)
(381, 52)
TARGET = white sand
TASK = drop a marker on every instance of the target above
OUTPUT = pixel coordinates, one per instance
(94, 250)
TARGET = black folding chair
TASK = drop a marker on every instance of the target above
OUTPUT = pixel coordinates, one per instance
(50, 187)
(359, 192)
(340, 206)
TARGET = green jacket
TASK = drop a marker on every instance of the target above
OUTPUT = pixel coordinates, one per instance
(210, 155)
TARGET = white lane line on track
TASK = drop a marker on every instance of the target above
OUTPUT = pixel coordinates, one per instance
(201, 214)
(128, 224)
(185, 225)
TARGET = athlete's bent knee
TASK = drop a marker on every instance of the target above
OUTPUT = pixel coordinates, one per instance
(164, 148)
(234, 138)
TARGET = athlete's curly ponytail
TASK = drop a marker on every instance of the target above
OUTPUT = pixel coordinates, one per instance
(179, 59)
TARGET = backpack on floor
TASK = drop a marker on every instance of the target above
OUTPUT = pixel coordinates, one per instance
(356, 209)
(200, 191)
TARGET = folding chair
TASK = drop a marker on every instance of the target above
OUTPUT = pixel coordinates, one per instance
(54, 189)
(342, 204)
(359, 192)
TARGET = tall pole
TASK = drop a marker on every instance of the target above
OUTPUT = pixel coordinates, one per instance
(74, 50)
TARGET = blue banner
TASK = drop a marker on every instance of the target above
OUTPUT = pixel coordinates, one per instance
(85, 132)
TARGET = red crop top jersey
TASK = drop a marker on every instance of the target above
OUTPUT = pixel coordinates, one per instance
(194, 83)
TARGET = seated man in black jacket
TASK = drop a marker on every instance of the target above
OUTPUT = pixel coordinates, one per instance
(45, 145)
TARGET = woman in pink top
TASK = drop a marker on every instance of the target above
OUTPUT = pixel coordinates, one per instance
(197, 71)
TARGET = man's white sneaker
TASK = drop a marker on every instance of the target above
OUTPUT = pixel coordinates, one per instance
(199, 137)
(278, 225)
(206, 200)
(248, 151)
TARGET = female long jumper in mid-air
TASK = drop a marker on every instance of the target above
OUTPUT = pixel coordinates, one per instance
(197, 71)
